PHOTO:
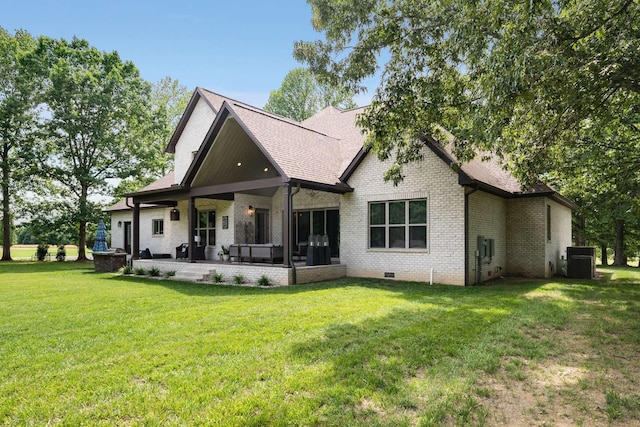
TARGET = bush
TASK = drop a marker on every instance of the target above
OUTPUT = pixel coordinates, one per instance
(127, 269)
(264, 281)
(169, 273)
(42, 251)
(140, 271)
(154, 271)
(61, 255)
(218, 278)
(238, 279)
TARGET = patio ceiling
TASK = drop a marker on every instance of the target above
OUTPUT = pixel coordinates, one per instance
(233, 157)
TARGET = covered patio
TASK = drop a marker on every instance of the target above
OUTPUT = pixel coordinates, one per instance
(247, 186)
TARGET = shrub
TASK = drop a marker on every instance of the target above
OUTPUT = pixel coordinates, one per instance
(61, 254)
(169, 273)
(264, 281)
(218, 278)
(127, 269)
(42, 251)
(140, 271)
(154, 271)
(238, 279)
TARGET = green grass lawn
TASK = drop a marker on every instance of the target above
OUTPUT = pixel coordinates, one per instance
(27, 252)
(81, 348)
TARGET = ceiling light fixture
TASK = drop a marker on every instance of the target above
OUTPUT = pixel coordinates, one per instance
(239, 164)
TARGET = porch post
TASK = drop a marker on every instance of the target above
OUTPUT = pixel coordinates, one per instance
(135, 250)
(287, 226)
(193, 217)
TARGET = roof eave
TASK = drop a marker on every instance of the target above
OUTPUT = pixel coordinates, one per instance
(338, 188)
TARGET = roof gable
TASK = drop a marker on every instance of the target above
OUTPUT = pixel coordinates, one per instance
(212, 99)
(231, 154)
(274, 143)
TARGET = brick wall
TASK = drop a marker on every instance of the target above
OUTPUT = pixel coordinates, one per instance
(430, 178)
(117, 233)
(191, 139)
(561, 237)
(251, 272)
(526, 237)
(487, 217)
(531, 253)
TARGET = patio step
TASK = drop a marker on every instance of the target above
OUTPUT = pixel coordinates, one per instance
(194, 276)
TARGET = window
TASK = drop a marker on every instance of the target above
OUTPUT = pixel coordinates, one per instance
(157, 227)
(206, 228)
(398, 224)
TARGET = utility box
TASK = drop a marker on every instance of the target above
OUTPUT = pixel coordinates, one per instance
(581, 262)
(486, 247)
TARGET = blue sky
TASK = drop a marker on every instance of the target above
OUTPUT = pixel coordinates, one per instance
(241, 49)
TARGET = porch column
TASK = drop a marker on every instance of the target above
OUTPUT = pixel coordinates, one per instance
(287, 227)
(135, 250)
(193, 217)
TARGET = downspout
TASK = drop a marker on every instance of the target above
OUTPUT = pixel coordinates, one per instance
(294, 277)
(466, 234)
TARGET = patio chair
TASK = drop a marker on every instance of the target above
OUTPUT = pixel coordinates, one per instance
(182, 251)
(300, 251)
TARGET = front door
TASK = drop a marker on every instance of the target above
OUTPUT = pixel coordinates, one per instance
(127, 236)
(262, 226)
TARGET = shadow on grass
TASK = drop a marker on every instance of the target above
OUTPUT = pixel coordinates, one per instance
(20, 267)
(440, 345)
(414, 291)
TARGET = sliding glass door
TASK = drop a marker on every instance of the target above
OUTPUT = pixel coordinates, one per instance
(318, 222)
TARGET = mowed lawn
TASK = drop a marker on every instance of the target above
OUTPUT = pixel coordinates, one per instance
(28, 252)
(80, 348)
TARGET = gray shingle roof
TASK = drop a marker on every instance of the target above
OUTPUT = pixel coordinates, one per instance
(300, 152)
(160, 184)
(324, 147)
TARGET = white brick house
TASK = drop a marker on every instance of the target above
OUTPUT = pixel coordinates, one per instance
(245, 176)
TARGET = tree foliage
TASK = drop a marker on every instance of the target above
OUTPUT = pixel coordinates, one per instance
(519, 78)
(168, 101)
(600, 173)
(97, 107)
(18, 120)
(301, 96)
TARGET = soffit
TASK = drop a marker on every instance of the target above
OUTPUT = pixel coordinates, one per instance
(233, 157)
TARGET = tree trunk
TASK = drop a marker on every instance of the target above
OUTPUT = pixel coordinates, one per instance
(6, 208)
(82, 227)
(619, 257)
(605, 258)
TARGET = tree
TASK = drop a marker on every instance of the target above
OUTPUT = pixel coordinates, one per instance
(169, 99)
(518, 78)
(170, 95)
(18, 88)
(97, 108)
(301, 96)
(607, 199)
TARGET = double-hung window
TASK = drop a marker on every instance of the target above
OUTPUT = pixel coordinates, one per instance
(398, 224)
(157, 227)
